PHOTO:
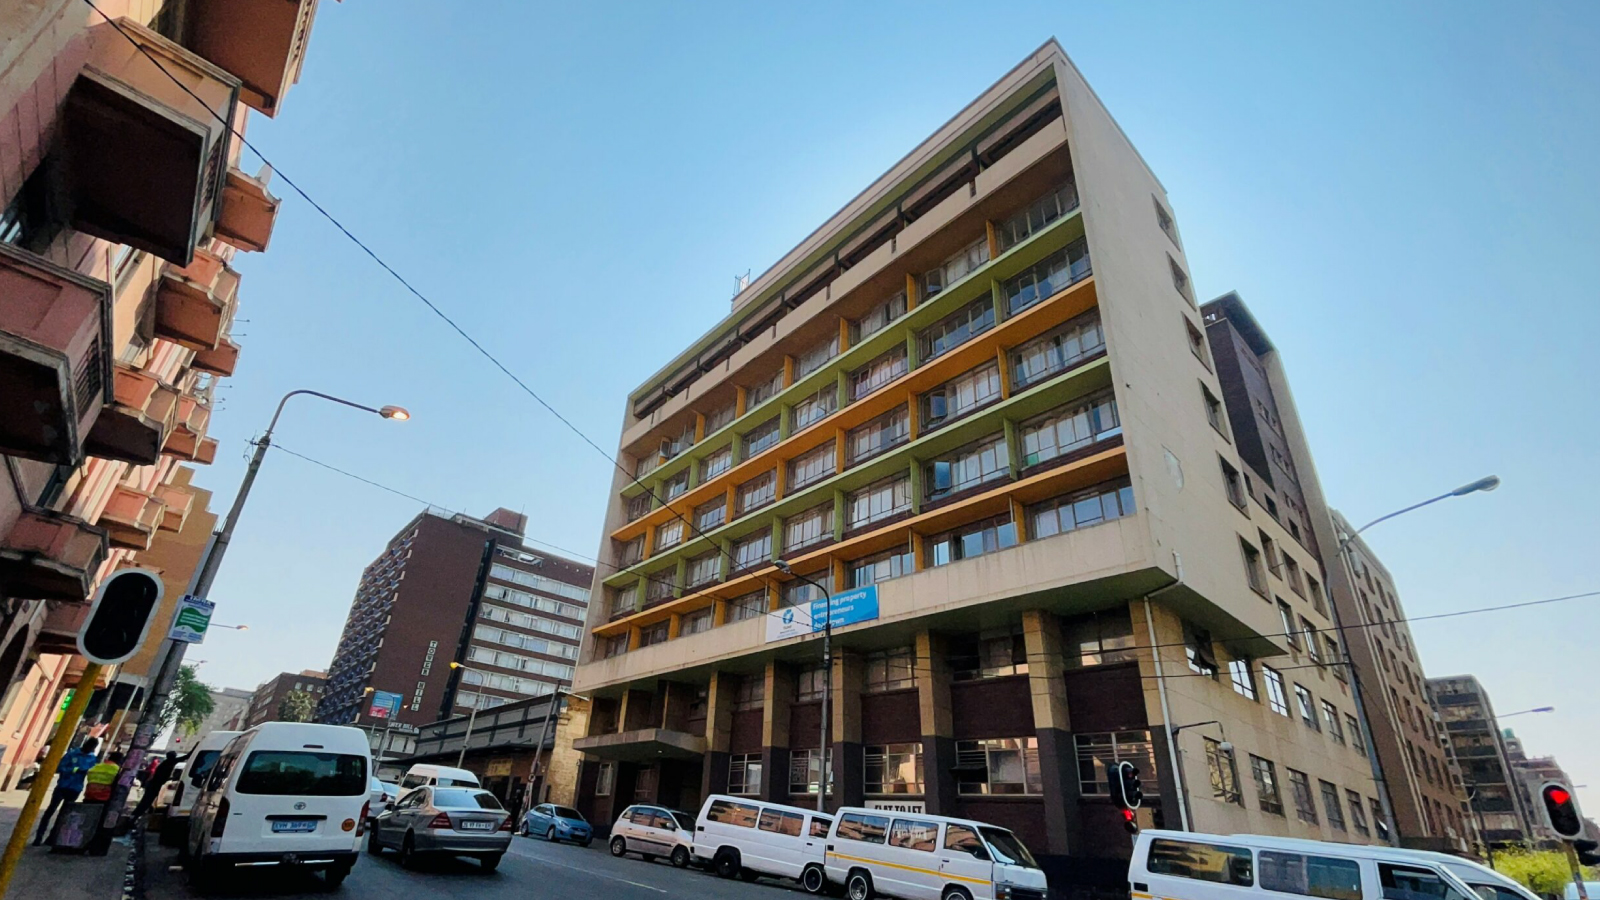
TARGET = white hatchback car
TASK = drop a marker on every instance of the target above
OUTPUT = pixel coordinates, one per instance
(653, 831)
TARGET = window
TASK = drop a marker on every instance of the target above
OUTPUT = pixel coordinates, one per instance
(647, 463)
(966, 467)
(881, 567)
(874, 436)
(961, 395)
(1198, 650)
(751, 693)
(1252, 567)
(1309, 876)
(757, 492)
(640, 505)
(1308, 709)
(863, 827)
(1309, 632)
(1276, 699)
(608, 647)
(969, 541)
(1224, 773)
(890, 670)
(816, 357)
(660, 586)
(654, 634)
(1332, 805)
(711, 515)
(1244, 677)
(1081, 509)
(1266, 778)
(1213, 410)
(629, 552)
(956, 329)
(811, 467)
(624, 600)
(744, 776)
(1319, 601)
(1354, 729)
(1358, 814)
(761, 393)
(1330, 718)
(998, 766)
(1164, 221)
(801, 593)
(878, 501)
(753, 551)
(605, 777)
(990, 654)
(1057, 351)
(809, 683)
(1287, 617)
(674, 487)
(1036, 215)
(669, 534)
(1305, 806)
(1201, 862)
(760, 437)
(1099, 639)
(956, 267)
(961, 839)
(703, 570)
(878, 372)
(1291, 574)
(894, 769)
(1097, 751)
(696, 622)
(1234, 485)
(1054, 273)
(780, 822)
(302, 773)
(810, 527)
(715, 464)
(816, 407)
(720, 418)
(730, 813)
(1331, 647)
(1067, 428)
(1379, 822)
(878, 318)
(1180, 280)
(1197, 343)
(747, 606)
(805, 772)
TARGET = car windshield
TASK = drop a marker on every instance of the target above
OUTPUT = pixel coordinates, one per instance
(457, 798)
(201, 765)
(684, 820)
(566, 812)
(1007, 848)
(303, 773)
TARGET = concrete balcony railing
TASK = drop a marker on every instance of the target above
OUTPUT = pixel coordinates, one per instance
(50, 556)
(179, 501)
(131, 518)
(193, 419)
(145, 145)
(136, 424)
(262, 42)
(221, 361)
(195, 314)
(55, 357)
(248, 212)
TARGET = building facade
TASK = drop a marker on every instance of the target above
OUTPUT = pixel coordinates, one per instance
(1492, 785)
(508, 747)
(452, 588)
(229, 709)
(123, 201)
(980, 402)
(267, 702)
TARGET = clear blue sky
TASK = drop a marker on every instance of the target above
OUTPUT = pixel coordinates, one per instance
(1407, 200)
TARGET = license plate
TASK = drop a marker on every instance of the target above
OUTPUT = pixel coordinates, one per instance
(293, 826)
(470, 825)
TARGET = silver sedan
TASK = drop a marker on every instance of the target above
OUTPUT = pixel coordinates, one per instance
(444, 821)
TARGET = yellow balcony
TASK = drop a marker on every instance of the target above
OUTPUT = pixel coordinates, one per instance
(50, 556)
(135, 425)
(263, 42)
(131, 518)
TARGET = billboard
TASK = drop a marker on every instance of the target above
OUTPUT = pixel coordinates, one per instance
(384, 704)
(845, 608)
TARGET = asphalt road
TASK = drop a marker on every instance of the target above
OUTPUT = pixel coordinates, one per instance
(533, 868)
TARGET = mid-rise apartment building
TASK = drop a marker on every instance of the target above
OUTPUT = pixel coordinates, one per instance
(453, 588)
(123, 201)
(267, 702)
(1488, 778)
(980, 403)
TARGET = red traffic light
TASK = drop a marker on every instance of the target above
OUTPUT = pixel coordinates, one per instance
(1129, 821)
(1560, 796)
(1561, 810)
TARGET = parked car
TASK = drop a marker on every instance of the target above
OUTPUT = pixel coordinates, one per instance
(169, 791)
(195, 769)
(382, 795)
(653, 831)
(287, 794)
(423, 774)
(557, 823)
(916, 856)
(748, 838)
(444, 821)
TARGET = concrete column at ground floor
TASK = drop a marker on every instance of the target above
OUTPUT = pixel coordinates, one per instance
(938, 741)
(1058, 763)
(848, 755)
(775, 732)
(719, 732)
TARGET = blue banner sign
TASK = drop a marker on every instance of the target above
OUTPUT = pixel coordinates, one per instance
(848, 608)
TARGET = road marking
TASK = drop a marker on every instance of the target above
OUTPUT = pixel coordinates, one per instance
(588, 871)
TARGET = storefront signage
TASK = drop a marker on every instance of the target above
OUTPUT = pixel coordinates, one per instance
(846, 608)
(910, 806)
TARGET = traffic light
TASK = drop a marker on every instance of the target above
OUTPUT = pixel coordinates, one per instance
(1125, 787)
(120, 616)
(1562, 810)
(1587, 854)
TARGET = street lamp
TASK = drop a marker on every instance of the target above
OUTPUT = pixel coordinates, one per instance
(823, 769)
(471, 718)
(1484, 484)
(1523, 712)
(231, 627)
(1226, 747)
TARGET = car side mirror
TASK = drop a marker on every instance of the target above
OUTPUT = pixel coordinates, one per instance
(980, 853)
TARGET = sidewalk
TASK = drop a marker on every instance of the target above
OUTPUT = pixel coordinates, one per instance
(60, 876)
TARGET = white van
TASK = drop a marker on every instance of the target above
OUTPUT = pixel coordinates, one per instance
(915, 856)
(750, 838)
(282, 793)
(195, 769)
(1489, 884)
(1179, 865)
(422, 775)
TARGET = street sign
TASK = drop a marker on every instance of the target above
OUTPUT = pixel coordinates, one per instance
(120, 616)
(847, 608)
(191, 619)
(384, 704)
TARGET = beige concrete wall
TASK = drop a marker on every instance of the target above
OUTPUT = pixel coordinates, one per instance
(563, 760)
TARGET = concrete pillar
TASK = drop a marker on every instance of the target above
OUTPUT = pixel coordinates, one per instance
(1053, 728)
(775, 732)
(675, 709)
(719, 732)
(635, 711)
(938, 740)
(849, 761)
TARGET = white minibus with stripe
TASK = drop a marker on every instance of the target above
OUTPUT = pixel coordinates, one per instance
(916, 856)
(748, 838)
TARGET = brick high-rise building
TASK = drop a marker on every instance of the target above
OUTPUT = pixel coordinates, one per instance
(266, 704)
(453, 588)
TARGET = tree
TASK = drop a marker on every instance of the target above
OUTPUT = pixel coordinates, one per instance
(296, 706)
(1542, 871)
(188, 704)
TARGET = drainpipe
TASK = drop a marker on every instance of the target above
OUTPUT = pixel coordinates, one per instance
(1161, 689)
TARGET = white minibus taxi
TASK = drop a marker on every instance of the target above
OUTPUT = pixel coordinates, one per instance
(190, 781)
(749, 838)
(916, 856)
(282, 793)
(1177, 865)
(423, 774)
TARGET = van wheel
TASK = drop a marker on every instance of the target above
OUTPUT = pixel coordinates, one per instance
(680, 857)
(727, 863)
(619, 847)
(955, 892)
(408, 852)
(859, 885)
(813, 880)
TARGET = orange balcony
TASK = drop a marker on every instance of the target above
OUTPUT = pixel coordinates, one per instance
(248, 212)
(206, 453)
(179, 501)
(136, 424)
(50, 556)
(190, 433)
(203, 269)
(55, 357)
(193, 314)
(221, 361)
(263, 42)
(131, 518)
(145, 159)
(59, 633)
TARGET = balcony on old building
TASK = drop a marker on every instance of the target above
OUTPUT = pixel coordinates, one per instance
(179, 501)
(190, 432)
(136, 424)
(55, 357)
(131, 518)
(263, 42)
(221, 361)
(194, 314)
(248, 212)
(50, 556)
(145, 150)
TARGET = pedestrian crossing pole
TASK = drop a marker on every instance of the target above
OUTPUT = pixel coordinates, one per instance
(47, 771)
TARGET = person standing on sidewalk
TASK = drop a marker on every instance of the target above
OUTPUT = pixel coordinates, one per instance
(70, 773)
(152, 785)
(98, 782)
